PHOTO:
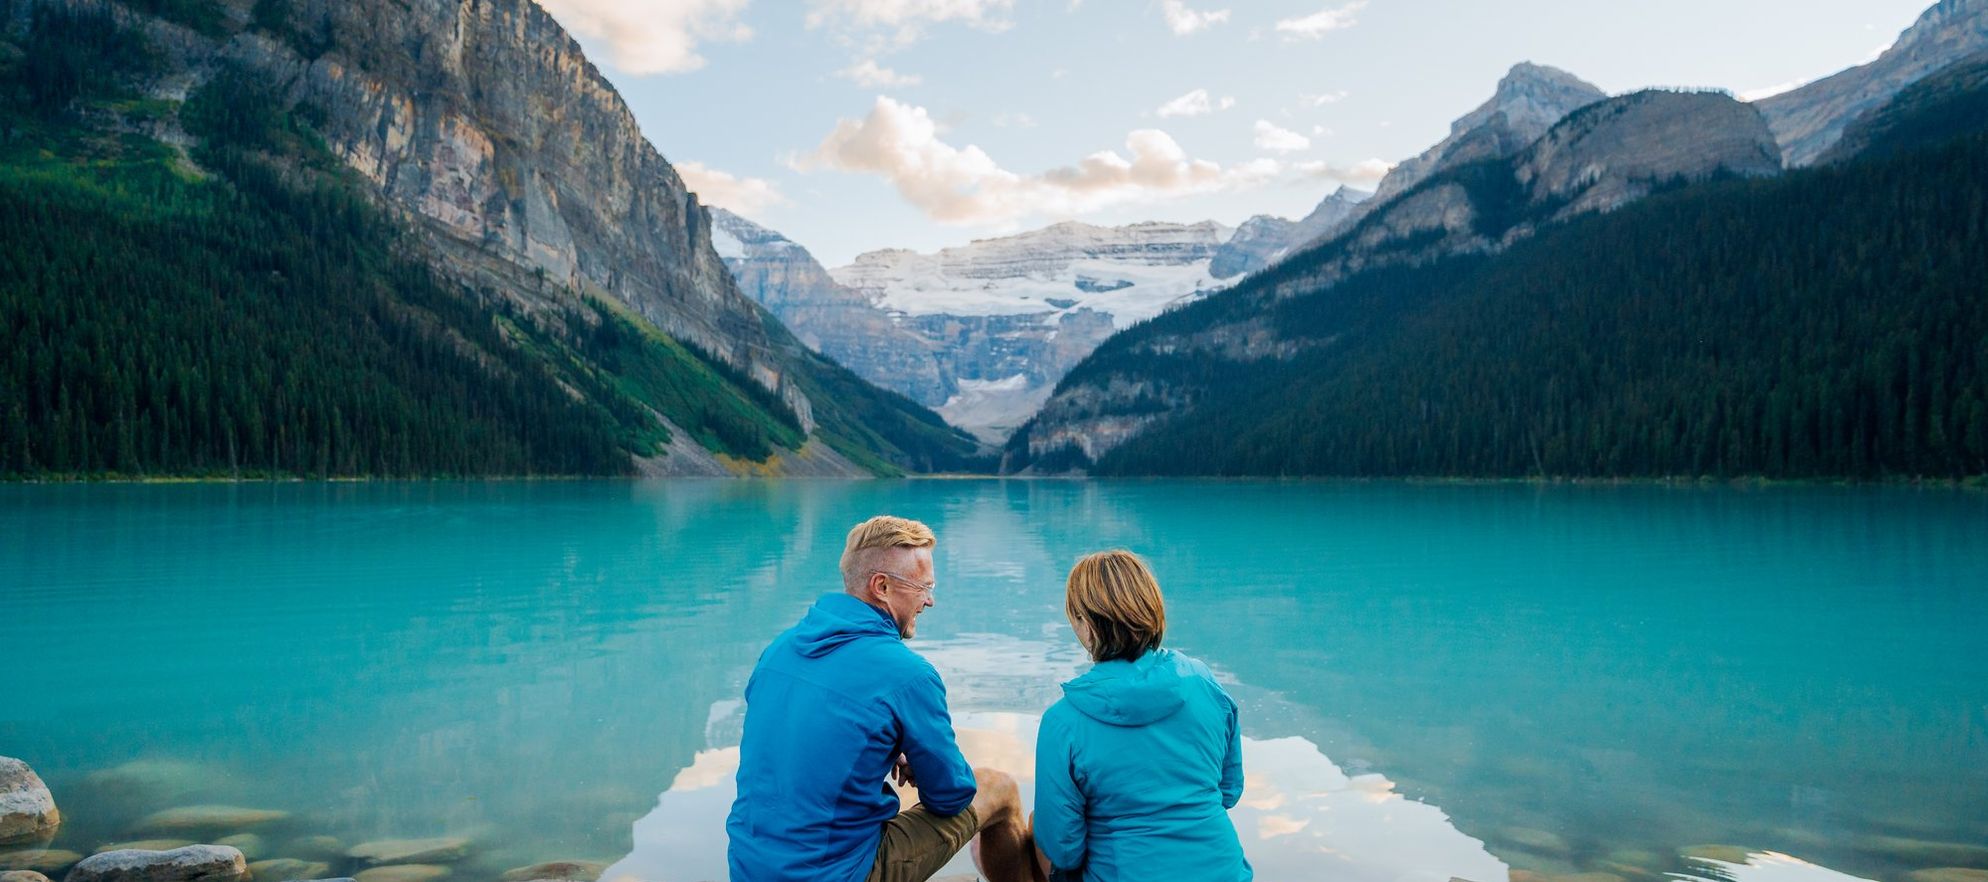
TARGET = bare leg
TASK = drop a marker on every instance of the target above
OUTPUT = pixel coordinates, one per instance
(1004, 851)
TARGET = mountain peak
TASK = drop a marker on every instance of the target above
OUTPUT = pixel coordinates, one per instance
(1531, 97)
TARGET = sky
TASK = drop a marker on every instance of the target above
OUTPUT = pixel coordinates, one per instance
(854, 125)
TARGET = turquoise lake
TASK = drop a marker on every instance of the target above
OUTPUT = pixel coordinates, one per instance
(1490, 682)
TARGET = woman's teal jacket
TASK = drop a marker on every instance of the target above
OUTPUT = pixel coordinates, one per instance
(1136, 769)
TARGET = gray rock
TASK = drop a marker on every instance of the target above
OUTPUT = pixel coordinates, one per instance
(1263, 240)
(194, 863)
(144, 845)
(27, 809)
(22, 876)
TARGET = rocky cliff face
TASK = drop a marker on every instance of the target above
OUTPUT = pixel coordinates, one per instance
(1614, 152)
(1530, 99)
(834, 319)
(1810, 119)
(484, 124)
(1263, 240)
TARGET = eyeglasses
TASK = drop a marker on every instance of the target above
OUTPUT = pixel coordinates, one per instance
(928, 589)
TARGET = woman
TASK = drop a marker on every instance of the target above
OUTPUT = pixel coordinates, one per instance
(1138, 764)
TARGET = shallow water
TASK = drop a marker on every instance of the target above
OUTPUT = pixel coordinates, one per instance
(1436, 680)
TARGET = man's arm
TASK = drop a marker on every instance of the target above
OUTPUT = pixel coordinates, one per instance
(944, 780)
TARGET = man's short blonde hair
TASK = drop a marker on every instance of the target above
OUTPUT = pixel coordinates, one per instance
(870, 539)
(1116, 595)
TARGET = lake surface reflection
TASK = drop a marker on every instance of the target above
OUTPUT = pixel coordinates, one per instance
(1489, 682)
(1302, 817)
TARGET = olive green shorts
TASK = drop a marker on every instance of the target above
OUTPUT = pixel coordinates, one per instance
(917, 843)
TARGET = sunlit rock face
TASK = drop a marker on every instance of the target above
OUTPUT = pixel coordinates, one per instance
(485, 125)
(1808, 120)
(833, 319)
(1529, 100)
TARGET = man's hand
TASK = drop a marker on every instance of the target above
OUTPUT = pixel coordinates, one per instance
(900, 769)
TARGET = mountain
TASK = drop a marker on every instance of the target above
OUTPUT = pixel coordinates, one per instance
(1823, 323)
(1263, 240)
(1599, 158)
(1004, 318)
(833, 319)
(522, 276)
(1810, 119)
(1529, 100)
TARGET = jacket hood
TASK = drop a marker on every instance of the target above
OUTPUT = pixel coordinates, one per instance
(1130, 693)
(837, 619)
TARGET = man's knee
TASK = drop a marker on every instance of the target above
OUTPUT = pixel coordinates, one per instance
(997, 795)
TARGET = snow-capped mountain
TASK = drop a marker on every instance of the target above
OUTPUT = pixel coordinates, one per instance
(1009, 316)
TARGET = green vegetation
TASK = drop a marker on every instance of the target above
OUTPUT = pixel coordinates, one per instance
(1828, 323)
(251, 313)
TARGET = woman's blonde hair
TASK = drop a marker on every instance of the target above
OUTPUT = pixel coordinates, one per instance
(1114, 594)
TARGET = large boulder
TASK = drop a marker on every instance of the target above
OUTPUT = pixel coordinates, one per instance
(22, 876)
(27, 809)
(194, 863)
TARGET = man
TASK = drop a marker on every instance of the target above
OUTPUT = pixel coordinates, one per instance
(837, 703)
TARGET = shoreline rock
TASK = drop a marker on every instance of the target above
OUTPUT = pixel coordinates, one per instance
(193, 863)
(27, 809)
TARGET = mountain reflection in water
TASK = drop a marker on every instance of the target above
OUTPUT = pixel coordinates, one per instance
(1301, 816)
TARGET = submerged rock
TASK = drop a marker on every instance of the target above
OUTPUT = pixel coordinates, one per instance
(194, 863)
(439, 849)
(288, 870)
(46, 860)
(144, 845)
(152, 780)
(210, 818)
(403, 873)
(22, 876)
(1531, 839)
(27, 809)
(564, 871)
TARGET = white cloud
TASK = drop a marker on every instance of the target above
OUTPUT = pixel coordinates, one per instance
(743, 196)
(652, 36)
(908, 17)
(963, 185)
(1363, 174)
(1184, 21)
(1323, 99)
(1271, 136)
(1195, 103)
(1322, 22)
(870, 75)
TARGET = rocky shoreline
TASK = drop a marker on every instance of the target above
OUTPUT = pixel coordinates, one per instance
(229, 843)
(181, 845)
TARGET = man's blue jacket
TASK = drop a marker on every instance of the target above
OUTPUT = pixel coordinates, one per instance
(829, 705)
